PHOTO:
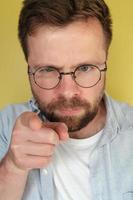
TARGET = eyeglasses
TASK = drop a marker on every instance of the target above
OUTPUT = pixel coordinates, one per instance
(85, 76)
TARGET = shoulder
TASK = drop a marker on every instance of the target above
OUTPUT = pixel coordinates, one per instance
(121, 113)
(14, 110)
(124, 110)
(9, 114)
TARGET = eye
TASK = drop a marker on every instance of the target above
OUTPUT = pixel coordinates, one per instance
(46, 69)
(84, 68)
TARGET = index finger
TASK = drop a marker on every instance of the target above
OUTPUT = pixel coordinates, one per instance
(60, 128)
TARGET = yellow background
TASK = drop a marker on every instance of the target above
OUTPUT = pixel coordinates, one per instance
(14, 85)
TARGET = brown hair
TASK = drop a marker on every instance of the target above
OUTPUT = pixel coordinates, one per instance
(36, 13)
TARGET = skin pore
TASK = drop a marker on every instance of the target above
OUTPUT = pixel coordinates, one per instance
(82, 109)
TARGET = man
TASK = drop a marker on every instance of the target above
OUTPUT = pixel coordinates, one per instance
(71, 141)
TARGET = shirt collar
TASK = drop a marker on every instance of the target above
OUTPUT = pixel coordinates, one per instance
(34, 105)
(112, 126)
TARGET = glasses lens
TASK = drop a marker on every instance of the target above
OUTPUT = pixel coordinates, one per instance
(46, 77)
(87, 75)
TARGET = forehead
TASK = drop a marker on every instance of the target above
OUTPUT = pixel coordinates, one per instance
(70, 44)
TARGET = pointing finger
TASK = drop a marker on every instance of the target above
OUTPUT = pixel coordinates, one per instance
(60, 128)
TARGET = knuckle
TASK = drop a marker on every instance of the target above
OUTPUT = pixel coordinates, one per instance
(20, 162)
(16, 136)
(50, 149)
(16, 132)
(16, 153)
(45, 161)
(49, 159)
(53, 137)
(47, 150)
(14, 149)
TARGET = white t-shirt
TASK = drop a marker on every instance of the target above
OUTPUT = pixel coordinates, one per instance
(71, 168)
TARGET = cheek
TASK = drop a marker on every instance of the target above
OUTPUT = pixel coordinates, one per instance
(95, 93)
(41, 94)
(99, 89)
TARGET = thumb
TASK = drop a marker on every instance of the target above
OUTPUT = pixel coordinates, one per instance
(30, 120)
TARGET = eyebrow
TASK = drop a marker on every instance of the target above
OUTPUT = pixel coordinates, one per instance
(71, 67)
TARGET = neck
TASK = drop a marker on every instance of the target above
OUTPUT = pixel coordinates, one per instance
(94, 126)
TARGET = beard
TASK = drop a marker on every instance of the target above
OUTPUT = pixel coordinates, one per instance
(73, 122)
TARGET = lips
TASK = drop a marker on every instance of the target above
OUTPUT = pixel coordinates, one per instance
(69, 111)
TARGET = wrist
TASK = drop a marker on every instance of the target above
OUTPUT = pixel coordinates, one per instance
(8, 167)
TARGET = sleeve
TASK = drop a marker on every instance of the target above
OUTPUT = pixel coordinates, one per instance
(5, 134)
(8, 117)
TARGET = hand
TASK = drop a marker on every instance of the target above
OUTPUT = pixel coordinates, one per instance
(33, 142)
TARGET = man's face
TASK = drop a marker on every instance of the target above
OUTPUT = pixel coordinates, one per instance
(65, 48)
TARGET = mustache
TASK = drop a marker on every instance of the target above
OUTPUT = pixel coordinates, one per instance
(62, 102)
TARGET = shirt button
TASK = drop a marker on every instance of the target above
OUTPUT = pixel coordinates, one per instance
(45, 171)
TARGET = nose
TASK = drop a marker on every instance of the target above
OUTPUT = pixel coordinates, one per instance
(67, 86)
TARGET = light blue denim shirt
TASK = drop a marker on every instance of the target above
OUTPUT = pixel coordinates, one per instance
(111, 163)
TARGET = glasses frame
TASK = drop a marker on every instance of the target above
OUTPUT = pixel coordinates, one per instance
(72, 74)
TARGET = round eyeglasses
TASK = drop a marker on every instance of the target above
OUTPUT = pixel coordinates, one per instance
(85, 76)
